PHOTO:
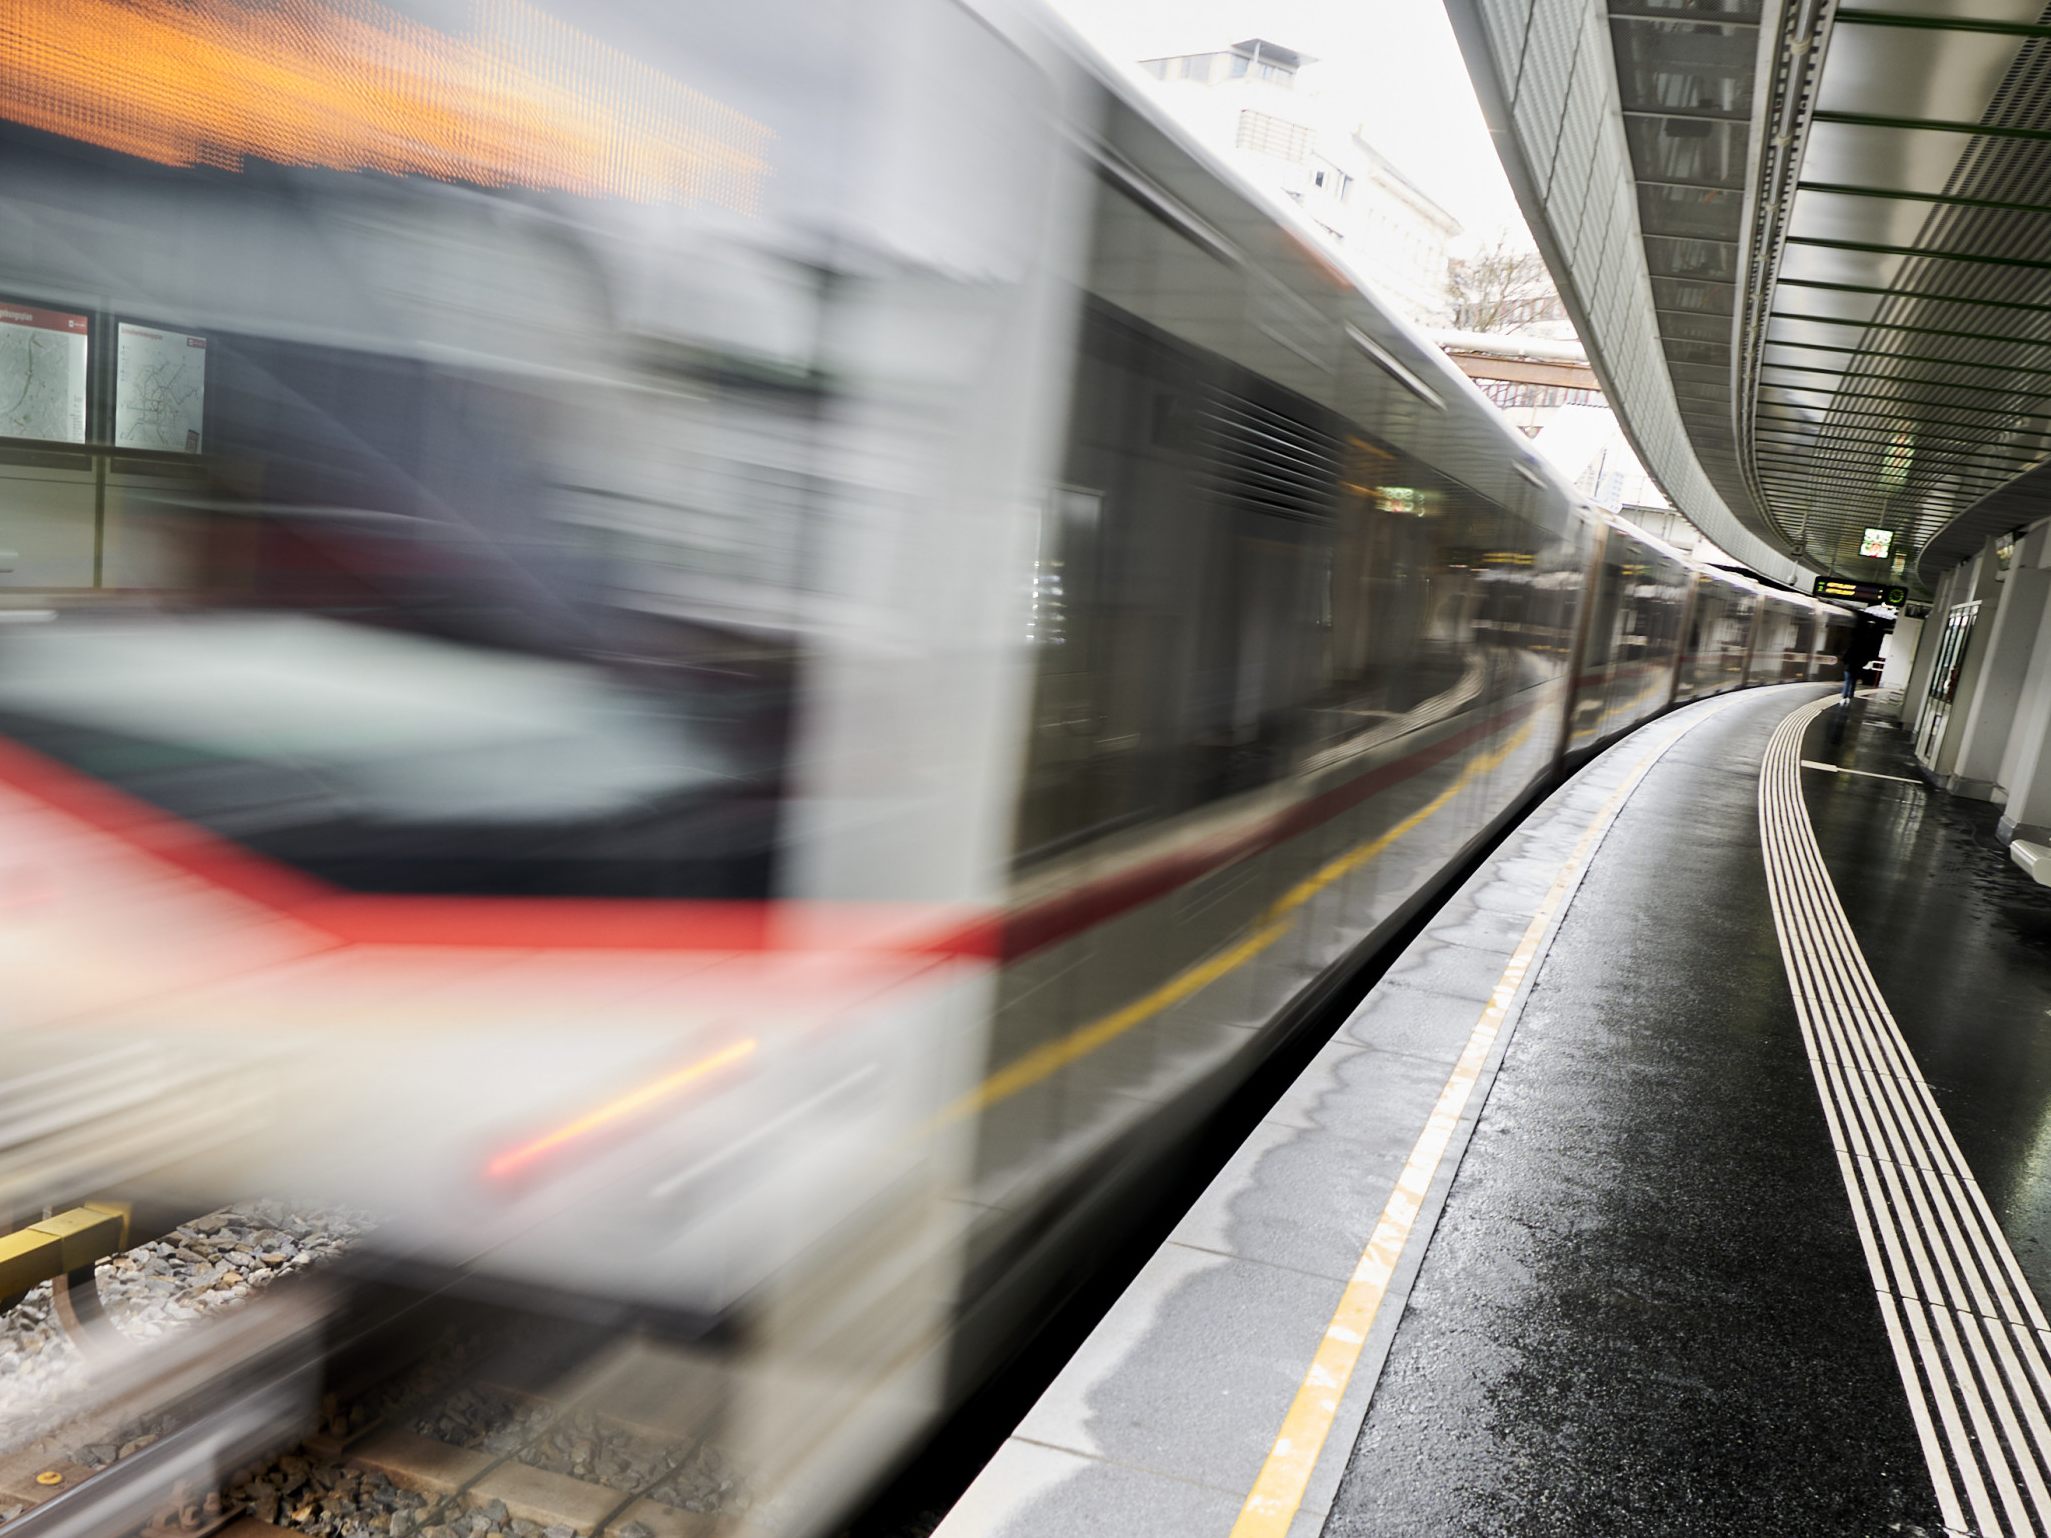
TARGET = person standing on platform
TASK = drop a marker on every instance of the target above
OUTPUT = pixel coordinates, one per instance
(1861, 648)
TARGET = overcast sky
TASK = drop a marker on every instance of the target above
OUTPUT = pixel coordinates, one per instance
(1393, 64)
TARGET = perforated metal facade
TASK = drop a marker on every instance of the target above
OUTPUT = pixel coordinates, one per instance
(1805, 243)
(1629, 171)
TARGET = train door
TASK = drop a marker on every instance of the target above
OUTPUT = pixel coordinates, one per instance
(1801, 662)
(1687, 596)
(1633, 616)
(1768, 645)
(1596, 670)
(1704, 616)
(1669, 595)
(1740, 636)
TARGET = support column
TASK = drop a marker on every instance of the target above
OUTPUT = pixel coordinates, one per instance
(1974, 582)
(2021, 595)
(2026, 768)
(1910, 710)
(1902, 648)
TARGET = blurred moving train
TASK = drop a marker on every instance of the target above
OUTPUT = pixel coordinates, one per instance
(728, 660)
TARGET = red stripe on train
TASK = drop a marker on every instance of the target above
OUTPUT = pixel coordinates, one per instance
(526, 923)
(574, 923)
(1055, 918)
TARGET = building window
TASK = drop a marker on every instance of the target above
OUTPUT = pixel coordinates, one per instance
(1335, 182)
(1269, 135)
(1185, 66)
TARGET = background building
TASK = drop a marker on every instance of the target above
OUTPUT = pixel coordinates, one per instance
(1548, 390)
(1247, 104)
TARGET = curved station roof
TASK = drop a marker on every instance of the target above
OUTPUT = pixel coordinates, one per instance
(1809, 248)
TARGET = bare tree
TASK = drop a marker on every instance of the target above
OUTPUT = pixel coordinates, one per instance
(1504, 289)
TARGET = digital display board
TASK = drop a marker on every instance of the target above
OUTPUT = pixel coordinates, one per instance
(1876, 542)
(42, 373)
(160, 383)
(1845, 589)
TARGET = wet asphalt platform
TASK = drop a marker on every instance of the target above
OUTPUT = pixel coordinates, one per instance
(1552, 1238)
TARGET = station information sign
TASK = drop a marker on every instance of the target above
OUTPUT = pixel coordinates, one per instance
(1848, 591)
(42, 373)
(160, 380)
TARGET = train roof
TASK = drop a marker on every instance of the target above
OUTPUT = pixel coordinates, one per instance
(1130, 87)
(1650, 540)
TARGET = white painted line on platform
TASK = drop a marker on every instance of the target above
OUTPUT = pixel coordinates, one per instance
(1948, 1271)
(1864, 774)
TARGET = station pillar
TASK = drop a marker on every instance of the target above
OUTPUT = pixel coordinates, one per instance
(2024, 777)
(2025, 790)
(2021, 595)
(1940, 729)
(1901, 654)
(1908, 709)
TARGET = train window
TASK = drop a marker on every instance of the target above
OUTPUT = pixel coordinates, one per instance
(528, 355)
(1388, 363)
(1268, 589)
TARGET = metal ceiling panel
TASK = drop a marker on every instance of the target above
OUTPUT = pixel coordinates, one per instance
(1703, 213)
(1966, 317)
(1679, 325)
(1707, 10)
(1672, 257)
(1831, 264)
(1694, 295)
(2013, 12)
(1812, 334)
(1887, 221)
(1899, 159)
(1700, 374)
(1680, 351)
(1693, 213)
(1840, 306)
(1688, 152)
(1689, 67)
(1791, 399)
(1888, 71)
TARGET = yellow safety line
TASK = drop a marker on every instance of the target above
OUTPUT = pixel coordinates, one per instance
(1652, 686)
(1051, 1057)
(1277, 1493)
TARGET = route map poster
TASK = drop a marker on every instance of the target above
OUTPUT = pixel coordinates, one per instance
(42, 373)
(160, 382)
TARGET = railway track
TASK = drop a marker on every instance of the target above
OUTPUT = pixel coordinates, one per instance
(531, 1439)
(341, 1411)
